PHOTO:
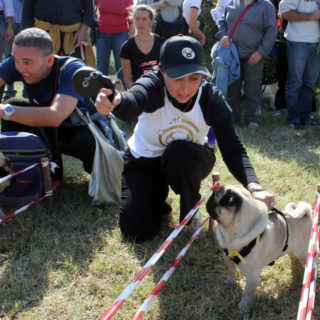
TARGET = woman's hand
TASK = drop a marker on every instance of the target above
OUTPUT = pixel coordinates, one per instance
(225, 42)
(265, 197)
(103, 104)
(259, 193)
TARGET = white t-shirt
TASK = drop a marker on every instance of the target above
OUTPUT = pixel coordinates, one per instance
(154, 131)
(186, 8)
(302, 31)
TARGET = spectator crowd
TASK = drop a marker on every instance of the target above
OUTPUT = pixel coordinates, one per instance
(132, 32)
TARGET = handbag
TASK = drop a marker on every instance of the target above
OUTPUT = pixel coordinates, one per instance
(168, 29)
(105, 178)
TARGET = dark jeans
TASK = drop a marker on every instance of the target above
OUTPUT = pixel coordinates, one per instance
(77, 141)
(250, 79)
(282, 70)
(146, 181)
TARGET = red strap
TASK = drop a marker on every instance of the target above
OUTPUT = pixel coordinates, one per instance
(241, 16)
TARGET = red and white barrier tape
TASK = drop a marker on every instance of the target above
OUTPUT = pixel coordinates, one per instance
(12, 175)
(27, 206)
(313, 283)
(168, 274)
(152, 261)
(308, 286)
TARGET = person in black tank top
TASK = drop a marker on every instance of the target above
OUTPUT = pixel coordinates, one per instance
(140, 54)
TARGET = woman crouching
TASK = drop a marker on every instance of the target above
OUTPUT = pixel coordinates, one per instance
(175, 109)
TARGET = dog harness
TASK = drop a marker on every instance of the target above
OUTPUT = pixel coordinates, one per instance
(275, 210)
(237, 256)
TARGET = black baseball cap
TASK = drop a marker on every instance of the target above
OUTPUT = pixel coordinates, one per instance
(182, 55)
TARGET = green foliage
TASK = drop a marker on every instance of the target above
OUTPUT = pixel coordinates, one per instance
(270, 74)
(209, 28)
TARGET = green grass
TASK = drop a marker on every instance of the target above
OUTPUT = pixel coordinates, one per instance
(66, 259)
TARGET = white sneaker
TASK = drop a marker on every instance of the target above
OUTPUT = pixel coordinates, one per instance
(280, 112)
(253, 125)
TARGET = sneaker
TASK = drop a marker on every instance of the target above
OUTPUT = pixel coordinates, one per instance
(296, 125)
(311, 123)
(280, 112)
(253, 125)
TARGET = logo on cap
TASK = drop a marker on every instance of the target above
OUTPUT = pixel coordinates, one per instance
(188, 53)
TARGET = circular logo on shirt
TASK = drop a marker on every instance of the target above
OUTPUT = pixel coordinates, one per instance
(188, 53)
(180, 129)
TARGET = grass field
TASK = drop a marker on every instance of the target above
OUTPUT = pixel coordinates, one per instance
(66, 259)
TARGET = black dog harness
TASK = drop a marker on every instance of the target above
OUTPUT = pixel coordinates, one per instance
(237, 256)
(275, 210)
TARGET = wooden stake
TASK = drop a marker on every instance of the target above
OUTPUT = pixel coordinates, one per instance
(215, 178)
(47, 181)
(318, 190)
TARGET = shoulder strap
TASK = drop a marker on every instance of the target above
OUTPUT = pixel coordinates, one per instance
(241, 16)
(60, 66)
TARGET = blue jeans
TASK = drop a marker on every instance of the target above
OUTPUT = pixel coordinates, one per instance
(303, 72)
(220, 71)
(105, 43)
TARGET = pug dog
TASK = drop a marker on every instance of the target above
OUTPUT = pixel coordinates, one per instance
(252, 238)
(5, 169)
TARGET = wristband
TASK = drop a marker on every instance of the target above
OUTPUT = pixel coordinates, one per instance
(252, 190)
